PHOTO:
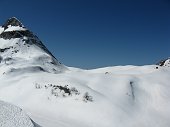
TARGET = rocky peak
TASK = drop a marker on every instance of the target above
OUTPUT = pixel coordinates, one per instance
(14, 29)
(12, 22)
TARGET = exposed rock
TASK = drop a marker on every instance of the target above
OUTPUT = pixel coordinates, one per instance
(12, 22)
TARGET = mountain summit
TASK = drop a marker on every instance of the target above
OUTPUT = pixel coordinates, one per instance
(12, 22)
(20, 49)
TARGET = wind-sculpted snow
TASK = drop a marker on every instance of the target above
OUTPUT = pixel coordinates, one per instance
(12, 116)
(131, 96)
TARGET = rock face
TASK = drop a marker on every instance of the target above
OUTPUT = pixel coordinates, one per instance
(165, 62)
(12, 22)
(18, 45)
(12, 116)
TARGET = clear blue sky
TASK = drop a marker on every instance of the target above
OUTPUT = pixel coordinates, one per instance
(97, 33)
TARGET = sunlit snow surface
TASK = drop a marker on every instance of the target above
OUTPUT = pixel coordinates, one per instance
(12, 116)
(131, 96)
(13, 28)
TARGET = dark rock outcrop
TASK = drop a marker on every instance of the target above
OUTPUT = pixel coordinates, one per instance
(13, 22)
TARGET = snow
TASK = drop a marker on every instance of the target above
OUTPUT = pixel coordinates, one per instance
(54, 95)
(1, 29)
(126, 96)
(15, 28)
(12, 116)
(19, 55)
(167, 62)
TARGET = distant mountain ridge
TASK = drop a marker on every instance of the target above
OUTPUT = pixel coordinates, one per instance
(165, 62)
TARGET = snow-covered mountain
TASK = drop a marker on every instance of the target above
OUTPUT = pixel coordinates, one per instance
(54, 95)
(21, 50)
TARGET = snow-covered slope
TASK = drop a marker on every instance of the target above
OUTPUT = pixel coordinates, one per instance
(115, 96)
(12, 116)
(120, 96)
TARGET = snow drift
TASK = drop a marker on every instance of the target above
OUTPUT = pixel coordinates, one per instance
(12, 116)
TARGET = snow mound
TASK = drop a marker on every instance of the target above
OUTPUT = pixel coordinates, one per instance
(12, 116)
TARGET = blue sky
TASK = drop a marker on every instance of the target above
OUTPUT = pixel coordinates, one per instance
(97, 33)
